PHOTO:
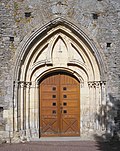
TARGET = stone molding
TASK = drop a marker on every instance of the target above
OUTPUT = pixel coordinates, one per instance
(27, 42)
(32, 66)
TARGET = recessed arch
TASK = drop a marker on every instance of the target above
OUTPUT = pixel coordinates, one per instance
(60, 70)
(35, 60)
(59, 51)
(81, 58)
(39, 53)
(59, 37)
(40, 33)
(90, 60)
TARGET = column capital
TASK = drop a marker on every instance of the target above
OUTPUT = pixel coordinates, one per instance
(24, 84)
(21, 84)
(28, 84)
(94, 84)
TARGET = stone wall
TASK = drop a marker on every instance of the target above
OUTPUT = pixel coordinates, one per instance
(99, 19)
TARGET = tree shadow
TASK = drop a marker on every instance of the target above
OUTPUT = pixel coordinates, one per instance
(109, 120)
(103, 145)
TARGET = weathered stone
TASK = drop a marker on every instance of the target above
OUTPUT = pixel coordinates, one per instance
(101, 31)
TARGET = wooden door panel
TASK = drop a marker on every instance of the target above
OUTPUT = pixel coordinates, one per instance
(49, 88)
(49, 111)
(70, 127)
(69, 96)
(69, 103)
(49, 103)
(51, 95)
(49, 122)
(70, 111)
(68, 88)
(60, 108)
(49, 126)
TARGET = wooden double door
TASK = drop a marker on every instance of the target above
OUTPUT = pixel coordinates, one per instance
(59, 106)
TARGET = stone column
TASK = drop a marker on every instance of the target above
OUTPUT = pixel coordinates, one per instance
(92, 105)
(32, 109)
(90, 97)
(36, 110)
(95, 105)
(27, 107)
(18, 98)
(22, 105)
(98, 104)
(15, 107)
(103, 106)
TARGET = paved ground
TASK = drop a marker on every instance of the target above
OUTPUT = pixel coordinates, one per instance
(62, 146)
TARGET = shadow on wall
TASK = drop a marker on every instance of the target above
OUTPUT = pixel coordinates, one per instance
(109, 119)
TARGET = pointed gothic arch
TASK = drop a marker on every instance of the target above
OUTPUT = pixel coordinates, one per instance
(40, 34)
(57, 46)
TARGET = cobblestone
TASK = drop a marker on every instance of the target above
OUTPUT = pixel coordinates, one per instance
(62, 146)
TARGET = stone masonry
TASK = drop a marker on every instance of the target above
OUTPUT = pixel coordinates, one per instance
(99, 19)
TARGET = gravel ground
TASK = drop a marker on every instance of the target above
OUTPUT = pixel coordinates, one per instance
(62, 146)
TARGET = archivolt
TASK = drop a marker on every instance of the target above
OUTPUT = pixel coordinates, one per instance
(43, 40)
(58, 46)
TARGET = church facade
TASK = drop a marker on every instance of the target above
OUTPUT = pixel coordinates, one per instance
(60, 69)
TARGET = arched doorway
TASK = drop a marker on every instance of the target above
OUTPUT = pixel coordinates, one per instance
(59, 105)
(59, 47)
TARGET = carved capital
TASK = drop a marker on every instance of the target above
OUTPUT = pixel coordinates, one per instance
(21, 84)
(24, 84)
(96, 84)
(27, 84)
